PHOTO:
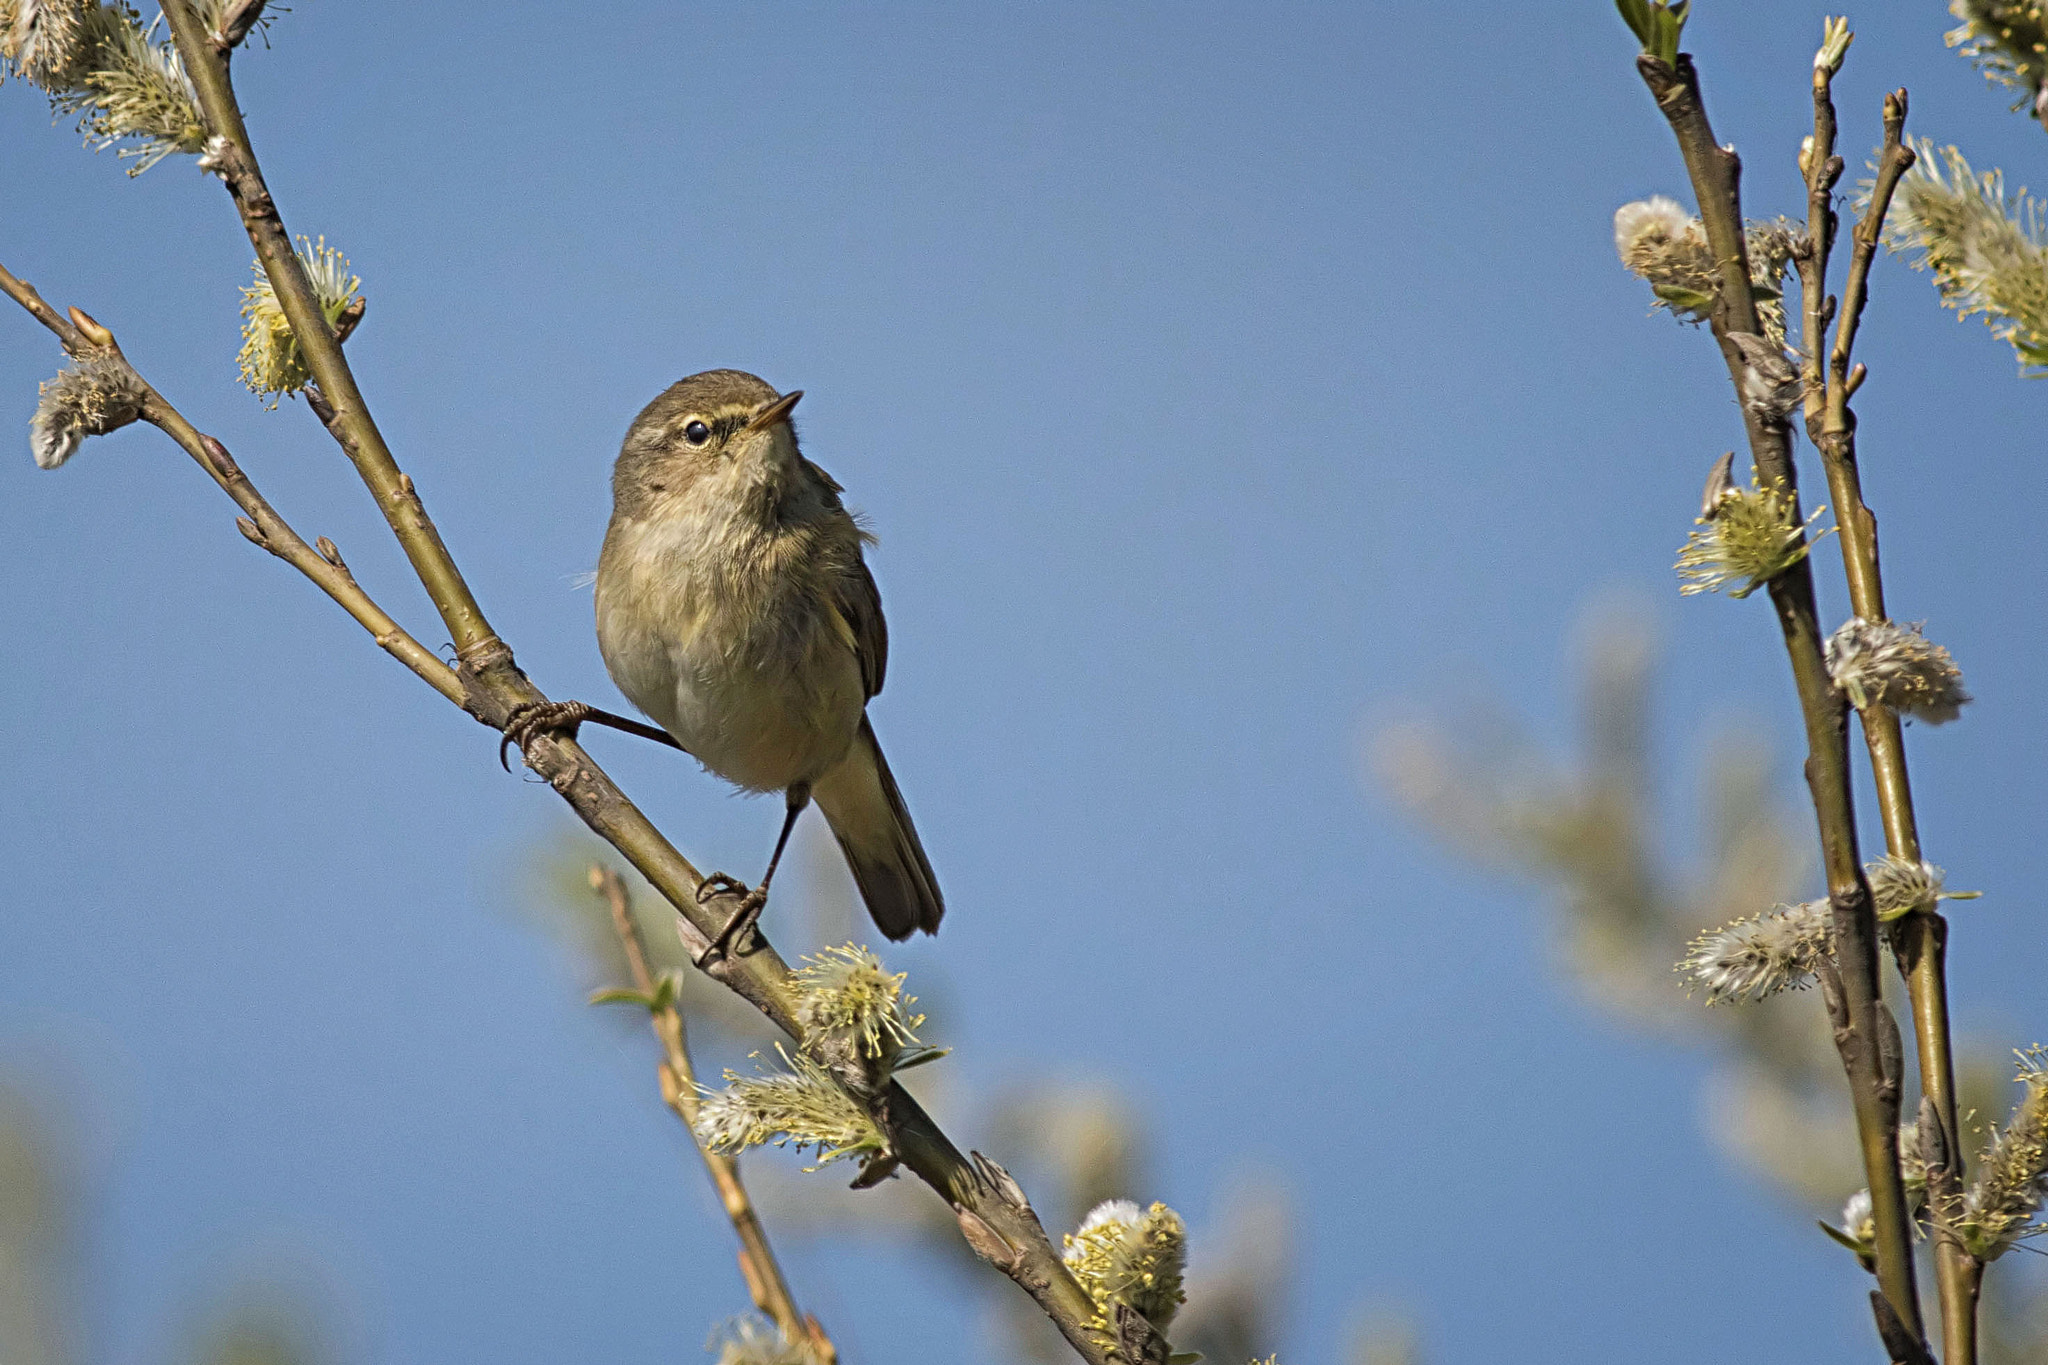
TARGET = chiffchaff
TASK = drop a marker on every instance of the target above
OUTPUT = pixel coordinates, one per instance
(734, 608)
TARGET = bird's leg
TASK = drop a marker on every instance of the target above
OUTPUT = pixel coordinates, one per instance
(532, 719)
(740, 927)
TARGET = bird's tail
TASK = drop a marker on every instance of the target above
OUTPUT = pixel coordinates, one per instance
(873, 827)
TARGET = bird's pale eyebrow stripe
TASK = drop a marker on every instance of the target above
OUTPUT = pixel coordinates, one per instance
(723, 421)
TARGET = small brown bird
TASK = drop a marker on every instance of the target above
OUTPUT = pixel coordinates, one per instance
(734, 608)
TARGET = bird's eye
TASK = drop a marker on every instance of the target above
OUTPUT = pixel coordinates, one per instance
(696, 433)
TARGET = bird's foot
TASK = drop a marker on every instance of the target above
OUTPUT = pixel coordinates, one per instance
(738, 934)
(532, 719)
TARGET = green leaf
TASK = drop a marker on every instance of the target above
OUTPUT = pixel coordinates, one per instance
(664, 993)
(1636, 14)
(919, 1057)
(1671, 23)
(1656, 24)
(1844, 1238)
(1678, 296)
(620, 995)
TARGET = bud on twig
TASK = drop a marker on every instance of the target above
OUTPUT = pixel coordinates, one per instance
(1835, 38)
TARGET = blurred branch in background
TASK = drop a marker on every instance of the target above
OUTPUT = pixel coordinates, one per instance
(40, 1298)
(799, 1337)
(1587, 830)
(254, 1327)
(37, 1242)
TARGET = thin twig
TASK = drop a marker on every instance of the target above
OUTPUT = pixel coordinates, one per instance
(758, 1266)
(1896, 159)
(262, 525)
(1855, 1006)
(1919, 940)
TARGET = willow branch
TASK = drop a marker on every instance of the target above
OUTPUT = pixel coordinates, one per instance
(994, 1216)
(758, 1266)
(1920, 940)
(80, 336)
(232, 157)
(1855, 1006)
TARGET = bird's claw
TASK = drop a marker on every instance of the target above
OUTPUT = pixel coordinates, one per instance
(532, 719)
(738, 935)
(717, 884)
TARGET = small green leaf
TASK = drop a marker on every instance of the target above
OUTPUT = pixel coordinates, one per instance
(1636, 14)
(1764, 291)
(1678, 296)
(1670, 24)
(1844, 1238)
(620, 995)
(919, 1056)
(1656, 24)
(664, 993)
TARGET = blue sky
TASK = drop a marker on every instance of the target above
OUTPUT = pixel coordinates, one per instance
(1219, 380)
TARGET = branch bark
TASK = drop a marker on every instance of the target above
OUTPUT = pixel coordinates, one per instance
(1859, 1017)
(1920, 940)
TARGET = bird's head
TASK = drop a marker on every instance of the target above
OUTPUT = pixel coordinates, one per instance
(724, 426)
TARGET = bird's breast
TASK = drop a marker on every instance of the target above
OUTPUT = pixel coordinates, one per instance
(720, 632)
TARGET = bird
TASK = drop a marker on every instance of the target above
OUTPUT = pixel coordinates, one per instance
(735, 609)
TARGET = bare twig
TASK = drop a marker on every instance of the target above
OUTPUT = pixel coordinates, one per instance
(1920, 940)
(262, 525)
(758, 1265)
(1859, 1031)
(1894, 162)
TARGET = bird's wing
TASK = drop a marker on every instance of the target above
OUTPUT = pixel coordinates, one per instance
(855, 596)
(860, 605)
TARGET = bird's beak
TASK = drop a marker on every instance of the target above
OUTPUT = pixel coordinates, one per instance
(775, 412)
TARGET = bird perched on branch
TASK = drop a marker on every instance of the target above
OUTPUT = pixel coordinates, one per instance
(734, 608)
